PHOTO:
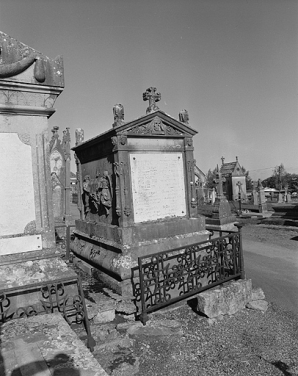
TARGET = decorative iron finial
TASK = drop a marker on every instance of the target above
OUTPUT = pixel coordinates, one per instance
(153, 97)
(183, 116)
(118, 111)
(236, 158)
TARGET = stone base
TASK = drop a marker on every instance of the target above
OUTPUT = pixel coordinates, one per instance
(226, 300)
(26, 256)
(225, 227)
(118, 262)
(22, 282)
(220, 221)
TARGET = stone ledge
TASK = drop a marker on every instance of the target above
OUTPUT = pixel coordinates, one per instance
(45, 344)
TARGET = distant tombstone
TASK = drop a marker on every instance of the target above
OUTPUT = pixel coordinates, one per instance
(222, 216)
(30, 82)
(255, 196)
(138, 190)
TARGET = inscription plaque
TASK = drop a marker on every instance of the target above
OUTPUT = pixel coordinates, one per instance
(16, 188)
(157, 186)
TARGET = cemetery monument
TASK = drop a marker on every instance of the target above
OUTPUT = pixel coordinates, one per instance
(138, 192)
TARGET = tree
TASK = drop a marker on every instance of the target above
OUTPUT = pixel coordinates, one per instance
(211, 175)
(280, 173)
(280, 179)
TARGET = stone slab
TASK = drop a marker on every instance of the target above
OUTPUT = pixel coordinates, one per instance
(20, 244)
(33, 272)
(16, 188)
(45, 345)
(226, 227)
(157, 186)
(226, 300)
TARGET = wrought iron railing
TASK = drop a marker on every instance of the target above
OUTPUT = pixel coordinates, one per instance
(170, 276)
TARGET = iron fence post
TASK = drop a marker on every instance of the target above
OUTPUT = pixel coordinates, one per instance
(143, 315)
(67, 243)
(241, 258)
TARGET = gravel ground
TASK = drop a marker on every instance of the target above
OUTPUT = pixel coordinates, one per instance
(247, 343)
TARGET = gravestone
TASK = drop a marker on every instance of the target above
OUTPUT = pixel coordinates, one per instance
(261, 197)
(138, 192)
(255, 196)
(222, 218)
(30, 82)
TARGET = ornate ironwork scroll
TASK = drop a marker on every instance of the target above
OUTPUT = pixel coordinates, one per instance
(53, 298)
(170, 276)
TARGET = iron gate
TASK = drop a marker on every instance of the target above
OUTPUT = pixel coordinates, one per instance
(170, 276)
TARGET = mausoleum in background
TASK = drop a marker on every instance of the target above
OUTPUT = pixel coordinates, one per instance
(235, 180)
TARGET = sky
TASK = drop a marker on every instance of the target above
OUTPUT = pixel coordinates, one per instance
(231, 63)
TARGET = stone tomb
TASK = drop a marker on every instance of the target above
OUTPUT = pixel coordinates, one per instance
(29, 85)
(138, 193)
(30, 82)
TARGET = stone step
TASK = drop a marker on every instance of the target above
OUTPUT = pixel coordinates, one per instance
(45, 345)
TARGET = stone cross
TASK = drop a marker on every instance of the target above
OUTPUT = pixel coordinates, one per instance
(239, 184)
(153, 97)
(219, 180)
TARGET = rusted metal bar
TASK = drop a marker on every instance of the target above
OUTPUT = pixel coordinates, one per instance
(241, 257)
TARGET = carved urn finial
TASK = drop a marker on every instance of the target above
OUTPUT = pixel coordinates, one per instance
(55, 131)
(183, 116)
(79, 134)
(152, 96)
(118, 111)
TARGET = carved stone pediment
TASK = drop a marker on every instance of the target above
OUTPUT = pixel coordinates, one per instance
(155, 127)
(29, 65)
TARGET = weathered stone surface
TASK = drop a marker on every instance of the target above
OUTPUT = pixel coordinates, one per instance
(45, 345)
(259, 305)
(109, 292)
(257, 294)
(226, 300)
(104, 316)
(126, 325)
(126, 369)
(105, 303)
(126, 306)
(92, 309)
(156, 328)
(105, 332)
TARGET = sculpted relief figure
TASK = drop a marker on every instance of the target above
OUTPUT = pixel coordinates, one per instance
(97, 195)
(105, 191)
(86, 195)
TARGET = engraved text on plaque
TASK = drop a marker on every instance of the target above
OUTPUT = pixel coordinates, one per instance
(157, 186)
